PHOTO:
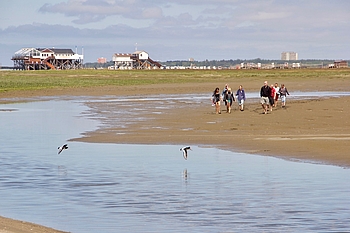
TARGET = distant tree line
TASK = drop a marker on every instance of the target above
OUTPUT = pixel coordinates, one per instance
(217, 63)
(222, 63)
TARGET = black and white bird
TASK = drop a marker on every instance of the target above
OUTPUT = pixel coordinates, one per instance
(184, 151)
(61, 148)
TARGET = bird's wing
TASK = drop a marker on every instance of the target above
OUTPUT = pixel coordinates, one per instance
(185, 154)
(60, 150)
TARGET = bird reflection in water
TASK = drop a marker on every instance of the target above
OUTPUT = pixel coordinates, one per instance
(185, 174)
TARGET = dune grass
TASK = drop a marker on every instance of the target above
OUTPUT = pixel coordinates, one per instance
(38, 80)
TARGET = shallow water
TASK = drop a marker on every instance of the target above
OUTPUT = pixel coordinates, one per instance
(93, 187)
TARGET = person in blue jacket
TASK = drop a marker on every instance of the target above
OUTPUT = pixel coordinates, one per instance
(240, 96)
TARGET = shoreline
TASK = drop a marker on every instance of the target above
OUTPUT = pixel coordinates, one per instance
(306, 130)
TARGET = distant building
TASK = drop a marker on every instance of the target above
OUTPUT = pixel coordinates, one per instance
(339, 64)
(296, 65)
(136, 60)
(46, 59)
(101, 60)
(289, 56)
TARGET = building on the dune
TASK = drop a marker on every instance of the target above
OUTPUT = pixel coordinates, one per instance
(101, 60)
(136, 60)
(47, 59)
(341, 64)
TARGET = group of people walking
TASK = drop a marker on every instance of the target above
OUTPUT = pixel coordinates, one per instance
(228, 98)
(269, 96)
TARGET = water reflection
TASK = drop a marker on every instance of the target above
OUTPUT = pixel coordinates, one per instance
(140, 188)
(185, 174)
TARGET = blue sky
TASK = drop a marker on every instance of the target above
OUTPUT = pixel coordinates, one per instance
(179, 29)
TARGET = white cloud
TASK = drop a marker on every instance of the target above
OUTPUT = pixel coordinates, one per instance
(87, 11)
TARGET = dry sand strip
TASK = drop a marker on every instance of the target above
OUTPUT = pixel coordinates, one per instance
(8, 225)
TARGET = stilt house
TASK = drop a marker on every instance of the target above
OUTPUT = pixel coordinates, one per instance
(46, 59)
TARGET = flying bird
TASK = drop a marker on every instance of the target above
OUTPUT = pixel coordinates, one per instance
(184, 151)
(61, 148)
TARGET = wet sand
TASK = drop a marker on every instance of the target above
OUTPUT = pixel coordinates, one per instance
(316, 130)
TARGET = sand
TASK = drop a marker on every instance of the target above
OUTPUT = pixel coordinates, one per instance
(315, 130)
(8, 225)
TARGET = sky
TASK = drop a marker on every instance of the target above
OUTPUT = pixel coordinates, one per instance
(178, 29)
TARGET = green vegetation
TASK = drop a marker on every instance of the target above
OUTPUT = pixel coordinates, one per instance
(53, 79)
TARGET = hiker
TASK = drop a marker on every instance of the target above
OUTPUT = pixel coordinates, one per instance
(265, 93)
(283, 93)
(272, 97)
(229, 99)
(240, 96)
(277, 93)
(216, 98)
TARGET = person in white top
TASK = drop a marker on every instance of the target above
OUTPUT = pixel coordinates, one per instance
(277, 89)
